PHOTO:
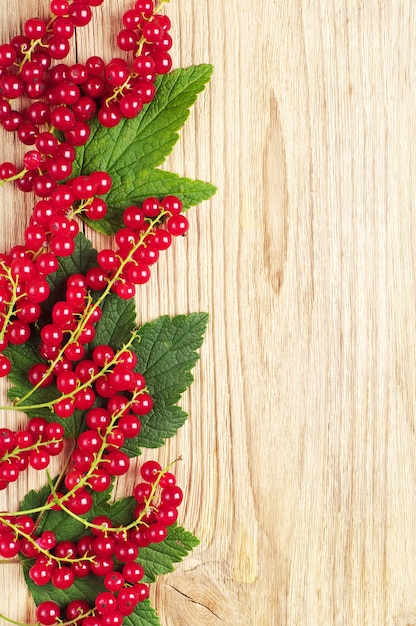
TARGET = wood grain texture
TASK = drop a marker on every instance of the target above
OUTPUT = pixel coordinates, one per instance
(299, 457)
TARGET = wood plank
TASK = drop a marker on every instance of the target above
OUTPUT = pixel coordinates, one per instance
(299, 456)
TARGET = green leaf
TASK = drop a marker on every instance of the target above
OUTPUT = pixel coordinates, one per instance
(22, 358)
(116, 324)
(146, 140)
(130, 151)
(140, 185)
(158, 558)
(166, 354)
(35, 499)
(144, 615)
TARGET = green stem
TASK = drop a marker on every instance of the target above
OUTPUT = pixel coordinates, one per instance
(12, 621)
(64, 559)
(10, 308)
(17, 451)
(85, 385)
(137, 522)
(14, 177)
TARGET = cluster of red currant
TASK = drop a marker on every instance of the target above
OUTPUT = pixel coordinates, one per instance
(31, 446)
(23, 286)
(98, 380)
(107, 551)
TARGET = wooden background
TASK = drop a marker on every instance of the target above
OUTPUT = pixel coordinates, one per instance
(299, 456)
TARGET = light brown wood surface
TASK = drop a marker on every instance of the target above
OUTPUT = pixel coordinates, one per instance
(299, 460)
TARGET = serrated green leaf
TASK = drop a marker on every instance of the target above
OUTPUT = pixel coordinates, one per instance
(167, 351)
(35, 499)
(147, 139)
(159, 558)
(116, 324)
(130, 151)
(149, 182)
(22, 358)
(144, 615)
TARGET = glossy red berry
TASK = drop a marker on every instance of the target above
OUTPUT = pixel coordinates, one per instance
(62, 577)
(48, 613)
(150, 470)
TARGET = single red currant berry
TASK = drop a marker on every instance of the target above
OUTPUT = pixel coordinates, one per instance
(66, 549)
(85, 370)
(172, 494)
(101, 566)
(35, 28)
(133, 572)
(39, 459)
(95, 66)
(96, 210)
(80, 13)
(167, 514)
(163, 61)
(117, 463)
(109, 115)
(98, 418)
(156, 532)
(18, 332)
(99, 481)
(59, 7)
(104, 546)
(152, 31)
(72, 479)
(40, 574)
(125, 290)
(37, 290)
(79, 134)
(76, 608)
(80, 503)
(142, 591)
(64, 408)
(141, 492)
(7, 55)
(130, 426)
(150, 470)
(131, 105)
(51, 335)
(126, 551)
(143, 404)
(151, 207)
(5, 366)
(48, 613)
(84, 399)
(47, 540)
(39, 375)
(167, 479)
(126, 599)
(177, 225)
(102, 355)
(54, 430)
(75, 351)
(114, 581)
(105, 602)
(89, 441)
(102, 182)
(62, 577)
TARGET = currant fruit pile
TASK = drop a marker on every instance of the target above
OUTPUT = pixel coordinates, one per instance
(48, 105)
